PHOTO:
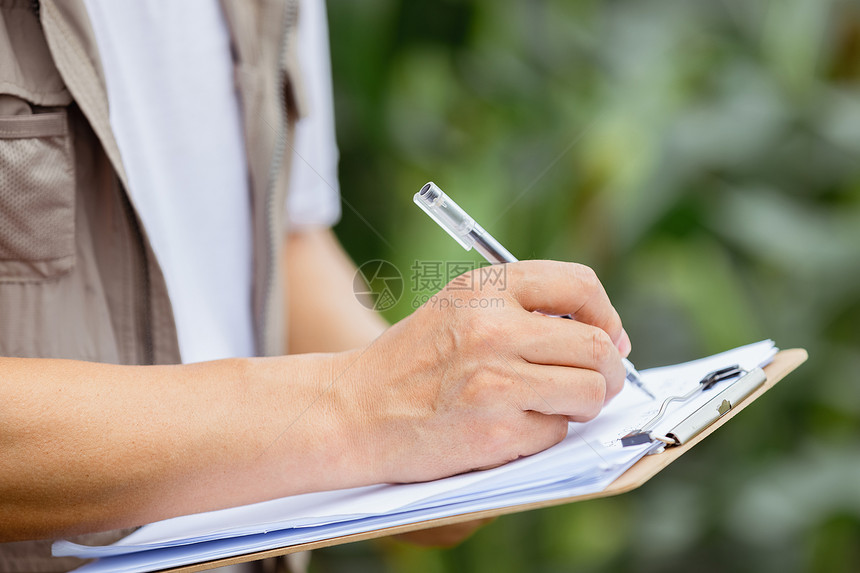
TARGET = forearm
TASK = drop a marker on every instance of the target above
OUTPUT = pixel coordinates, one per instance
(451, 388)
(89, 447)
(323, 314)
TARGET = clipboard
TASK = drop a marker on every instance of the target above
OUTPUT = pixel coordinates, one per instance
(783, 363)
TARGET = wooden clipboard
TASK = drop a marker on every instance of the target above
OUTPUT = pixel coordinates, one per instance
(646, 468)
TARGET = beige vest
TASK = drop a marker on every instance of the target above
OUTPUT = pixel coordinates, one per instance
(78, 278)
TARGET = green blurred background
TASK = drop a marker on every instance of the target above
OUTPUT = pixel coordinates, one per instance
(703, 157)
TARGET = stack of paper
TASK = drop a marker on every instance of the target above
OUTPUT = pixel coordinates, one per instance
(587, 461)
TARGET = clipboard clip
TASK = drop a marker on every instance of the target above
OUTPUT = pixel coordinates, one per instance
(707, 414)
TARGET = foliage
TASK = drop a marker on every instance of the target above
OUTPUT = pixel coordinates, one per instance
(704, 158)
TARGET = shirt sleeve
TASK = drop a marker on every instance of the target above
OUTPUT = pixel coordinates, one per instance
(313, 199)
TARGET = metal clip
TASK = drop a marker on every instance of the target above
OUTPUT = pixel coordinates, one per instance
(644, 435)
(717, 407)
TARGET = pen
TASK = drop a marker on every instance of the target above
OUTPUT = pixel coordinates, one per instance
(470, 234)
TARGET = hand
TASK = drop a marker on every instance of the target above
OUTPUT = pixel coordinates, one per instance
(476, 377)
(472, 379)
(444, 535)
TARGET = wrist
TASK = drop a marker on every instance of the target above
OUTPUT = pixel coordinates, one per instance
(290, 427)
(354, 413)
(381, 412)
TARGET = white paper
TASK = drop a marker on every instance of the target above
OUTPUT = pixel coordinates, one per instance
(586, 461)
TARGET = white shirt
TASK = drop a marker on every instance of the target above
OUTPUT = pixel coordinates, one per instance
(314, 198)
(176, 119)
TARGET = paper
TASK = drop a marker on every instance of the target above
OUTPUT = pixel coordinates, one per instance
(586, 461)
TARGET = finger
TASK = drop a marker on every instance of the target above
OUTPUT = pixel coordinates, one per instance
(576, 393)
(624, 345)
(542, 339)
(539, 432)
(553, 287)
(530, 432)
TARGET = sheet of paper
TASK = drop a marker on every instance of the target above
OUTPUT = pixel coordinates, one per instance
(588, 460)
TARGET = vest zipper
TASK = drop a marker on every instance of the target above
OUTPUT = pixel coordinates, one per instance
(272, 234)
(141, 287)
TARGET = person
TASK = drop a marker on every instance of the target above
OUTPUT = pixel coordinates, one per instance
(173, 341)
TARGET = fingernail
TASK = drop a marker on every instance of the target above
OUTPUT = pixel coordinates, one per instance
(624, 345)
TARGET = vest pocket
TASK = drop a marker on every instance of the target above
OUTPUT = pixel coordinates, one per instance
(37, 197)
